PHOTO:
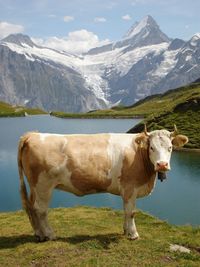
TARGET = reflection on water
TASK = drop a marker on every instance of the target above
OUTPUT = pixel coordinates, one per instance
(176, 200)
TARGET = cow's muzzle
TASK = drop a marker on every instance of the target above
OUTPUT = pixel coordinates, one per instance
(162, 166)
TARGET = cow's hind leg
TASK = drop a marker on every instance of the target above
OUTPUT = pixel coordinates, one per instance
(129, 222)
(42, 229)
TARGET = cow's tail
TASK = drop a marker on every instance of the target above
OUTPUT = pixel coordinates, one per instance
(23, 190)
(27, 203)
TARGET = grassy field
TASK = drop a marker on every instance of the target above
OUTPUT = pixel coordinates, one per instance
(93, 237)
(7, 110)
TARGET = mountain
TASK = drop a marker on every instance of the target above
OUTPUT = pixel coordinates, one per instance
(143, 33)
(41, 77)
(144, 62)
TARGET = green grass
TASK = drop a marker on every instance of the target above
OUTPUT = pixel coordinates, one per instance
(100, 114)
(188, 123)
(93, 237)
(7, 110)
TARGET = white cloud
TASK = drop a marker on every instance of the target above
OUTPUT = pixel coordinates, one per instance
(8, 28)
(76, 42)
(126, 17)
(68, 18)
(53, 16)
(99, 19)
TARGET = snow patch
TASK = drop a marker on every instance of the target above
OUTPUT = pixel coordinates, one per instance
(126, 61)
(188, 58)
(98, 86)
(195, 39)
(33, 53)
(194, 66)
(167, 64)
(26, 101)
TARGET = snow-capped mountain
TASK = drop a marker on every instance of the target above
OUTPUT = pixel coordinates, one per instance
(145, 61)
(41, 77)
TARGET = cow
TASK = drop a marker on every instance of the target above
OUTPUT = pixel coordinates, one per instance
(120, 164)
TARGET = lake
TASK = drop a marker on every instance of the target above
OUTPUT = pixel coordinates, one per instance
(176, 200)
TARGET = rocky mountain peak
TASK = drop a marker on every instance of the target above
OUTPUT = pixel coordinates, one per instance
(143, 33)
(146, 24)
(195, 40)
(19, 39)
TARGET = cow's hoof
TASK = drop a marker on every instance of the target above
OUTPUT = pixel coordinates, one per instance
(125, 232)
(133, 236)
(45, 238)
(41, 238)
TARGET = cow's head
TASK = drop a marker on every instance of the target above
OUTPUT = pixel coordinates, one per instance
(159, 144)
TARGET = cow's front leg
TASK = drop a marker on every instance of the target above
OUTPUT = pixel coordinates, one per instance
(129, 222)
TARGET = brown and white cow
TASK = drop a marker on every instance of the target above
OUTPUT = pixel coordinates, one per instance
(120, 164)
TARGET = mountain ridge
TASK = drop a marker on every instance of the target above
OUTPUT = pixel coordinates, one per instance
(146, 63)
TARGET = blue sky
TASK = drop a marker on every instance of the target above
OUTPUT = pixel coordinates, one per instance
(94, 22)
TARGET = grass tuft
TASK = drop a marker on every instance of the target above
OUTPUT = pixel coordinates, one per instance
(7, 110)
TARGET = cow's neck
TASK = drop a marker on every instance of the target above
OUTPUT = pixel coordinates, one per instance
(148, 166)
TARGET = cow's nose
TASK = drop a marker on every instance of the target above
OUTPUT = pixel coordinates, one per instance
(162, 166)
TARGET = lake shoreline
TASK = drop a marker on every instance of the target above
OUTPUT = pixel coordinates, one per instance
(185, 149)
(98, 117)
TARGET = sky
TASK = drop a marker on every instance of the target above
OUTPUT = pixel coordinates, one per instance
(78, 25)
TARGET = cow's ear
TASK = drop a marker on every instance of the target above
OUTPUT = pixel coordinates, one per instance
(142, 140)
(179, 140)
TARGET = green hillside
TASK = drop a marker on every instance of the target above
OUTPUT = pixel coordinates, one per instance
(7, 110)
(179, 106)
(93, 237)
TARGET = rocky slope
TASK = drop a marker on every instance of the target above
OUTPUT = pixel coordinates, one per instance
(35, 76)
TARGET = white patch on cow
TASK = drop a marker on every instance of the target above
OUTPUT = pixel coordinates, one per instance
(160, 147)
(64, 181)
(43, 136)
(117, 145)
(129, 222)
(63, 174)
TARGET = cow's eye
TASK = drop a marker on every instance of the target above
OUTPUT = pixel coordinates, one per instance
(151, 148)
(170, 149)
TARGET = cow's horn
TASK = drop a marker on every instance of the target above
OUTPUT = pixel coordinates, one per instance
(145, 130)
(175, 132)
